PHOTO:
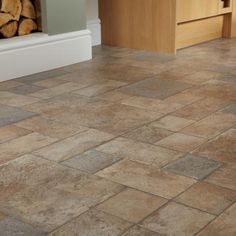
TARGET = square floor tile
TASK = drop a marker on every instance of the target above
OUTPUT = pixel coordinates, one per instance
(147, 178)
(132, 205)
(91, 161)
(181, 142)
(176, 219)
(172, 123)
(225, 177)
(138, 231)
(9, 115)
(208, 197)
(193, 166)
(25, 89)
(224, 225)
(93, 223)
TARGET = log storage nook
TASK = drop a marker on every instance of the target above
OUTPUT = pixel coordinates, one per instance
(165, 25)
(19, 17)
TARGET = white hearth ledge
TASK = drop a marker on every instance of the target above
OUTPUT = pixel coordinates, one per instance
(26, 55)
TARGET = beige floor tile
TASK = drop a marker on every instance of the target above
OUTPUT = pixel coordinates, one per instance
(50, 83)
(22, 145)
(181, 142)
(93, 223)
(147, 178)
(113, 96)
(11, 132)
(6, 85)
(172, 123)
(77, 144)
(15, 100)
(138, 231)
(225, 177)
(208, 197)
(176, 219)
(132, 205)
(224, 225)
(50, 128)
(140, 152)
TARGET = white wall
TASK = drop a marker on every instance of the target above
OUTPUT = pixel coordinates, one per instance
(93, 22)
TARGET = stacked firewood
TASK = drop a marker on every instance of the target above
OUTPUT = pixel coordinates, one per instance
(19, 17)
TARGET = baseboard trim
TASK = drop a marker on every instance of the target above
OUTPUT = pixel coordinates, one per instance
(95, 27)
(21, 56)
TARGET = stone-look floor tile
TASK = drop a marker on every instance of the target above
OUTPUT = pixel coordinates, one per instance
(148, 134)
(208, 197)
(22, 145)
(132, 205)
(151, 104)
(224, 225)
(140, 152)
(231, 109)
(12, 227)
(222, 148)
(50, 128)
(55, 91)
(97, 89)
(91, 161)
(47, 195)
(212, 125)
(225, 177)
(181, 142)
(176, 219)
(193, 166)
(113, 96)
(25, 89)
(155, 88)
(10, 115)
(11, 132)
(147, 178)
(172, 123)
(15, 100)
(93, 223)
(77, 144)
(201, 109)
(6, 85)
(49, 83)
(138, 231)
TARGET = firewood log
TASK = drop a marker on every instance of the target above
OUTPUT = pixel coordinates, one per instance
(28, 9)
(12, 7)
(5, 18)
(9, 29)
(26, 26)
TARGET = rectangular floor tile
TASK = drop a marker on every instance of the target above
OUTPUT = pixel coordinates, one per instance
(131, 205)
(25, 89)
(146, 178)
(175, 219)
(138, 231)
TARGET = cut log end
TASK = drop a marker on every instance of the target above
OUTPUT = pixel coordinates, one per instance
(28, 10)
(13, 7)
(9, 30)
(5, 18)
(26, 26)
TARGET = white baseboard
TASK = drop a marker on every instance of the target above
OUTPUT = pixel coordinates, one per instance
(21, 56)
(95, 27)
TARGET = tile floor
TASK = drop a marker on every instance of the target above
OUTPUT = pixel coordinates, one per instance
(131, 143)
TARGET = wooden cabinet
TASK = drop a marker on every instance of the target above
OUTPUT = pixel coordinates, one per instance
(165, 25)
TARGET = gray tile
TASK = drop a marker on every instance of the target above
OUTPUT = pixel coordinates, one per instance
(155, 88)
(9, 115)
(231, 109)
(12, 227)
(193, 166)
(91, 161)
(138, 231)
(25, 89)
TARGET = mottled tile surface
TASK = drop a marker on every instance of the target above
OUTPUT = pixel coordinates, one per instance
(138, 231)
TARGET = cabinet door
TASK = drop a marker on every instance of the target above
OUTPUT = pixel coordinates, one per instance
(188, 10)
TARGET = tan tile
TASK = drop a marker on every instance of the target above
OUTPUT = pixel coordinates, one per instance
(6, 85)
(113, 96)
(15, 100)
(10, 132)
(50, 128)
(176, 219)
(224, 225)
(49, 83)
(93, 223)
(138, 231)
(140, 152)
(146, 178)
(172, 123)
(225, 177)
(22, 145)
(74, 145)
(181, 142)
(132, 205)
(208, 197)
(2, 216)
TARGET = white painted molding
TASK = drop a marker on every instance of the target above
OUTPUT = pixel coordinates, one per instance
(95, 27)
(26, 55)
